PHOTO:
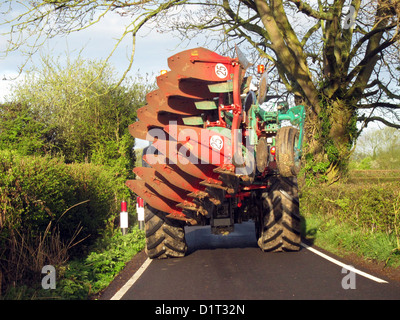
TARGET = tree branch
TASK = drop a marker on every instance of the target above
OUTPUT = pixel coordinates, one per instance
(310, 32)
(384, 88)
(384, 121)
(365, 38)
(309, 11)
(239, 22)
(364, 69)
(293, 62)
(378, 105)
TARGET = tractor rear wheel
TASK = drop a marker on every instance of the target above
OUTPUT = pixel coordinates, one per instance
(278, 225)
(287, 157)
(165, 238)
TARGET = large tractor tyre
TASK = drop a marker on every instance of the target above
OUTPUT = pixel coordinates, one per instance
(278, 227)
(165, 238)
(287, 159)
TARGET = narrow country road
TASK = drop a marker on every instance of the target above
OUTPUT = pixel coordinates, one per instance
(233, 268)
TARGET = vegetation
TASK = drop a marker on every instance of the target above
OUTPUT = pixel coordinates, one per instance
(72, 111)
(85, 277)
(51, 212)
(358, 216)
(65, 154)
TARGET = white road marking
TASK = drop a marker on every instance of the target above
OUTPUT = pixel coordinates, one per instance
(348, 267)
(121, 292)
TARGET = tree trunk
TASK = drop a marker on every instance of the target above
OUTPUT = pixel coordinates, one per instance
(329, 137)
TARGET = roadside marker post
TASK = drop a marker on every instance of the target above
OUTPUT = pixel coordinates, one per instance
(123, 219)
(140, 212)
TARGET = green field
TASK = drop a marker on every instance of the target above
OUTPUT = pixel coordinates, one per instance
(373, 176)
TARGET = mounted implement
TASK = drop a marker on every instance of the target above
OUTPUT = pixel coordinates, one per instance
(217, 157)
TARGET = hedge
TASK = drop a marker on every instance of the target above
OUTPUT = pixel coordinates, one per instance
(360, 216)
(47, 206)
(369, 206)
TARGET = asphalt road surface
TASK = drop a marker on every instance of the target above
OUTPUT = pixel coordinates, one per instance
(232, 267)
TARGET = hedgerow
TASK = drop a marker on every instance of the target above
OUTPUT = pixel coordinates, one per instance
(50, 211)
(356, 215)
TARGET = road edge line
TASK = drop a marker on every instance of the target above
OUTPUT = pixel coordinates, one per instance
(343, 265)
(121, 292)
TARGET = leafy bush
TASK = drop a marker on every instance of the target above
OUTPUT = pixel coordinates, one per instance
(76, 113)
(20, 129)
(365, 164)
(45, 201)
(36, 190)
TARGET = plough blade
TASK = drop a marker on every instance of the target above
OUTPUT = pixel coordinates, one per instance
(150, 133)
(182, 180)
(158, 119)
(158, 102)
(139, 130)
(184, 153)
(193, 121)
(158, 184)
(206, 105)
(221, 87)
(187, 162)
(172, 152)
(167, 148)
(185, 157)
(198, 170)
(151, 197)
(172, 84)
(194, 151)
(202, 64)
(209, 146)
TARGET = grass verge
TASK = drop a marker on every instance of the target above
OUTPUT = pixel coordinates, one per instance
(341, 239)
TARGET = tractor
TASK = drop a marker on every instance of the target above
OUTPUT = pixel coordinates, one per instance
(218, 155)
